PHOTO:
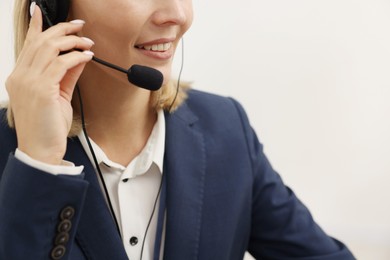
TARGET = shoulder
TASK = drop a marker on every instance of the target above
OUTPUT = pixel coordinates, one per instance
(211, 108)
(224, 121)
(211, 102)
(7, 138)
(5, 131)
(219, 119)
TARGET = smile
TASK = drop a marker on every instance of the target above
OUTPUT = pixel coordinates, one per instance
(156, 47)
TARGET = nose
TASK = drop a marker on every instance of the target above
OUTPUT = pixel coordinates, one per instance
(173, 12)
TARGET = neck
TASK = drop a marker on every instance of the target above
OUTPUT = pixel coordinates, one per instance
(118, 115)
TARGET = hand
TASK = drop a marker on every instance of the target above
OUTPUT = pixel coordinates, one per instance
(41, 86)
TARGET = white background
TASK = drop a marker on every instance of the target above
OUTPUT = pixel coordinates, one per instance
(313, 76)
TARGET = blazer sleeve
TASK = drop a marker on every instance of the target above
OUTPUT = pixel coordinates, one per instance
(282, 227)
(39, 212)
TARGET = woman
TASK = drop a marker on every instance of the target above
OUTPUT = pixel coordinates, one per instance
(151, 175)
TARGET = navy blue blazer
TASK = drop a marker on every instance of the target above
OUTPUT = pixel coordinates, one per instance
(221, 195)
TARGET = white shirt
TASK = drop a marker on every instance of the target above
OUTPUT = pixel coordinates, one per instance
(132, 189)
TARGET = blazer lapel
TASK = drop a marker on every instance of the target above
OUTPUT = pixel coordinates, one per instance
(185, 171)
(96, 234)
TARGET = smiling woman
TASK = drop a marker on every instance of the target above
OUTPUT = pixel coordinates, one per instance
(138, 180)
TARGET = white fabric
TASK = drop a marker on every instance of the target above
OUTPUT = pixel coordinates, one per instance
(65, 168)
(133, 200)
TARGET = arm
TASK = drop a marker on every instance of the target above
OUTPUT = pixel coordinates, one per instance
(40, 90)
(31, 202)
(282, 227)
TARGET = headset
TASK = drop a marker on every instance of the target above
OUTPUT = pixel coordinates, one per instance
(54, 11)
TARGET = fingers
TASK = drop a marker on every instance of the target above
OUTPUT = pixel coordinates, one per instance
(52, 48)
(40, 62)
(49, 40)
(65, 28)
(59, 79)
(69, 81)
(35, 26)
(58, 67)
(64, 71)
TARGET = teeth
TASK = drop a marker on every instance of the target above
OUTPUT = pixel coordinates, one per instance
(157, 47)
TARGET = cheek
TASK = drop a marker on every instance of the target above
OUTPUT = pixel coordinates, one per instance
(116, 24)
(190, 17)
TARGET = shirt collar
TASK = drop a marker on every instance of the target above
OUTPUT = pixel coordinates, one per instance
(153, 152)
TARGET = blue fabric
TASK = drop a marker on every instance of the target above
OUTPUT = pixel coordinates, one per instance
(222, 197)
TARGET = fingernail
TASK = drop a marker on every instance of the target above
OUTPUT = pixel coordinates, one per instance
(78, 21)
(89, 53)
(88, 40)
(32, 8)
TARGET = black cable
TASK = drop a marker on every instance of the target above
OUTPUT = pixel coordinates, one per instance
(95, 160)
(178, 79)
(46, 16)
(170, 107)
(151, 217)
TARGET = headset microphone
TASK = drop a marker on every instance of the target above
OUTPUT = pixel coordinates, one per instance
(140, 76)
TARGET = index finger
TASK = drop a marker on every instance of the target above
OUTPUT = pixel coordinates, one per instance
(35, 26)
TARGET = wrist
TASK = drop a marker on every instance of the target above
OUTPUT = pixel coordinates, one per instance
(44, 156)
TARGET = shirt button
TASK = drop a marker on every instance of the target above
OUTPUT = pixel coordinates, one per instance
(133, 241)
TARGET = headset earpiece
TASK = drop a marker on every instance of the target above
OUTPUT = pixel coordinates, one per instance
(54, 11)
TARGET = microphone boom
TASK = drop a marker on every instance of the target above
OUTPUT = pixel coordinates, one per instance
(140, 76)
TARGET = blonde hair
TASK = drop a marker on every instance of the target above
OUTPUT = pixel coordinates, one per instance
(165, 98)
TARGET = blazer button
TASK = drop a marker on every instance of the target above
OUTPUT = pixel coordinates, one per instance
(58, 252)
(67, 213)
(64, 226)
(61, 238)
